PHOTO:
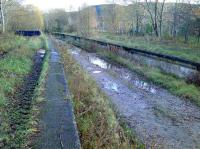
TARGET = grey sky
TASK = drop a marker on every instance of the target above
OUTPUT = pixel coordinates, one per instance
(75, 4)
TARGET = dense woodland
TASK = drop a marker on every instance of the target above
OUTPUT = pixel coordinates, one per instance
(14, 16)
(158, 19)
(159, 26)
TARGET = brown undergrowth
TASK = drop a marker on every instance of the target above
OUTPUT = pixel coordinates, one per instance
(194, 79)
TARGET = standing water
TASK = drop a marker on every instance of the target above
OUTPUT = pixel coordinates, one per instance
(157, 117)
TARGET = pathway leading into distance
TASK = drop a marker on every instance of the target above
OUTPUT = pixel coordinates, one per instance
(57, 122)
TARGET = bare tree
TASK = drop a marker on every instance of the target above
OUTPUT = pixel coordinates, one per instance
(86, 21)
(160, 14)
(174, 19)
(137, 16)
(25, 18)
(156, 14)
(5, 9)
(2, 16)
(112, 16)
(186, 15)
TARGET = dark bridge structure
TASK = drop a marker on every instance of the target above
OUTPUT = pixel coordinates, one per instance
(28, 33)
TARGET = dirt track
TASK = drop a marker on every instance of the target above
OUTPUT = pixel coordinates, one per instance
(156, 116)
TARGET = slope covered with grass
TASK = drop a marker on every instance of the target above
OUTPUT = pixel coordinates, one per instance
(190, 51)
(14, 67)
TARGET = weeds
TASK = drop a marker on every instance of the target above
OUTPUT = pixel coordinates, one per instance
(10, 42)
(194, 79)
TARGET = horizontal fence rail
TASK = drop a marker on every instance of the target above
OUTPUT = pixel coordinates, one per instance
(175, 59)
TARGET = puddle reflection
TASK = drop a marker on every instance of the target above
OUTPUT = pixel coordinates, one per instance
(95, 72)
(111, 86)
(99, 62)
(144, 85)
(41, 52)
(138, 83)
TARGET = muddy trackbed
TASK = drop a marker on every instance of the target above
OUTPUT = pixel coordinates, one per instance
(157, 117)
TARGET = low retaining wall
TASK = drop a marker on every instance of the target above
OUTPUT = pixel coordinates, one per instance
(180, 67)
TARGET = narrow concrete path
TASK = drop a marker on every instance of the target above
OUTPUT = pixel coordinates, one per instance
(58, 125)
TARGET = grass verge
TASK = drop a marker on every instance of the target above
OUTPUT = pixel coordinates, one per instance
(13, 69)
(96, 120)
(175, 85)
(171, 47)
(9, 42)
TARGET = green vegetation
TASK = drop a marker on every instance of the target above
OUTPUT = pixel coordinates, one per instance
(14, 67)
(9, 42)
(16, 64)
(41, 82)
(169, 46)
(97, 122)
(175, 85)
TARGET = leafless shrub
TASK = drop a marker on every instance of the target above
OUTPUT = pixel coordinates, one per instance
(194, 79)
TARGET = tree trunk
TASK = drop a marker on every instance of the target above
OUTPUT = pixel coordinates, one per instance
(174, 21)
(2, 16)
(174, 29)
(155, 17)
(160, 27)
(161, 17)
(187, 33)
(186, 37)
(198, 35)
(137, 25)
(156, 29)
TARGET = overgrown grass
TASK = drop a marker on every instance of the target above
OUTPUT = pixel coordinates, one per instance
(13, 68)
(176, 47)
(97, 122)
(9, 42)
(175, 85)
(16, 65)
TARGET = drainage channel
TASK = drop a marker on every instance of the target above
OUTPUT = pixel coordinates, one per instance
(157, 117)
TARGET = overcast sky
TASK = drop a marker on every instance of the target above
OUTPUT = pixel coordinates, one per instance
(46, 5)
(51, 4)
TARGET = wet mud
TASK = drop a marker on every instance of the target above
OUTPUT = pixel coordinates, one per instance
(158, 118)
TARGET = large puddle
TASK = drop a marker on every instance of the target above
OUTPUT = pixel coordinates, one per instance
(99, 62)
(158, 118)
(41, 52)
